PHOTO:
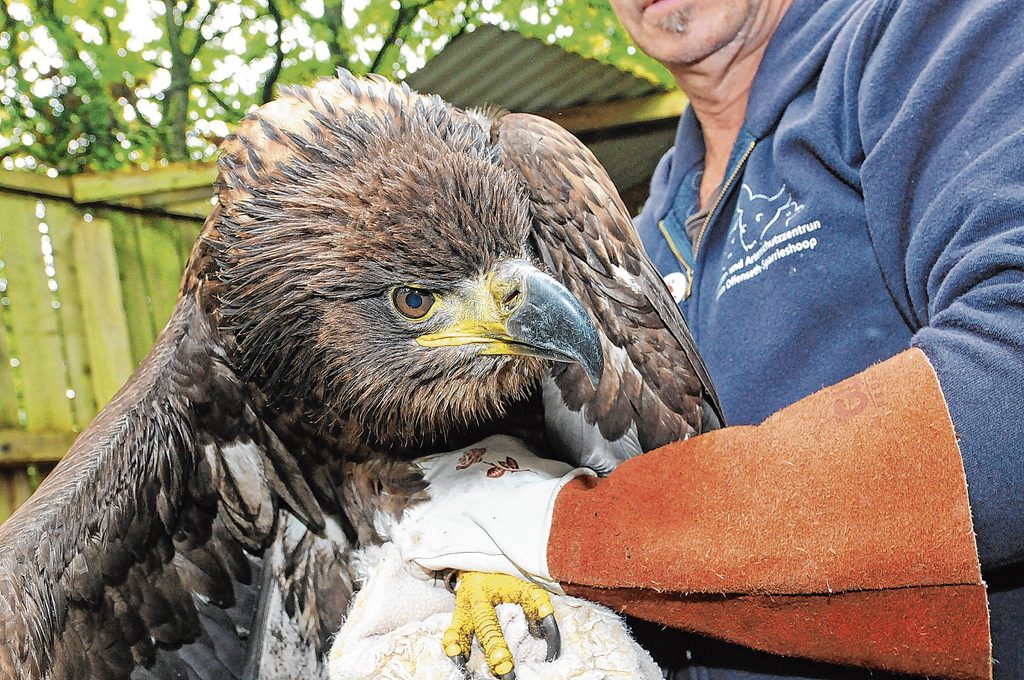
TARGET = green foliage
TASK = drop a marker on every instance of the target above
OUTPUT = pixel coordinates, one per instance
(103, 85)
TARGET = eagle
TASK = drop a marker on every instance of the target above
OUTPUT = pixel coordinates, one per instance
(383, 276)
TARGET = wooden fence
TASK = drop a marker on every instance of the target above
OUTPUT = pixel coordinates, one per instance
(89, 272)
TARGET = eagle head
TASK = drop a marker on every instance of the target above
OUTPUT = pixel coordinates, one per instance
(370, 253)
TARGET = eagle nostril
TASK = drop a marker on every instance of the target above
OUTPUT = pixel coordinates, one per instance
(511, 299)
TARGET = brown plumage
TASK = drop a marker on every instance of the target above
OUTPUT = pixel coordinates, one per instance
(202, 526)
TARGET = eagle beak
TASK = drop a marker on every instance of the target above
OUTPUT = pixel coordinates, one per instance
(524, 312)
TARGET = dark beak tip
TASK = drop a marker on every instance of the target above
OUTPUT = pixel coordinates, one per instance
(554, 322)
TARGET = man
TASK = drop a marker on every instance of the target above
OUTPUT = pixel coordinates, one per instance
(845, 189)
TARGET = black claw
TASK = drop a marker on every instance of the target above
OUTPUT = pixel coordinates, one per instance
(547, 629)
(449, 577)
(461, 661)
(511, 675)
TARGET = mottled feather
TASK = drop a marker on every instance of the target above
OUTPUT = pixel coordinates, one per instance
(654, 379)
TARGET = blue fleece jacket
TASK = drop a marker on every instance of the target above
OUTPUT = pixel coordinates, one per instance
(874, 201)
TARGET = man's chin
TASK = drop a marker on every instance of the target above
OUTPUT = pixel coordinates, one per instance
(677, 45)
(676, 23)
(683, 33)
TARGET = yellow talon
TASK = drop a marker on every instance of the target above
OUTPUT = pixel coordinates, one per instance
(476, 596)
(458, 639)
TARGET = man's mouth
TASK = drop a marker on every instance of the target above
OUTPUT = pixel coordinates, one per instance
(659, 8)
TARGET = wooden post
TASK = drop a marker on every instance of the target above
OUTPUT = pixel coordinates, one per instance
(8, 395)
(162, 266)
(99, 291)
(61, 217)
(607, 115)
(135, 294)
(32, 317)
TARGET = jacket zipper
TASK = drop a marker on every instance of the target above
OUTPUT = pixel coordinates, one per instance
(679, 256)
(718, 199)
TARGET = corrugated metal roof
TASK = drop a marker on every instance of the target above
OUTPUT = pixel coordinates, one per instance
(494, 67)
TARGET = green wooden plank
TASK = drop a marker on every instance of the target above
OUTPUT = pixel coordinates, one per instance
(21, 448)
(31, 182)
(101, 186)
(134, 287)
(32, 317)
(195, 209)
(61, 219)
(22, 488)
(8, 395)
(162, 199)
(188, 232)
(158, 245)
(15, 488)
(38, 472)
(8, 502)
(99, 288)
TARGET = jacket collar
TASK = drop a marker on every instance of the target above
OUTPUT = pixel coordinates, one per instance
(794, 57)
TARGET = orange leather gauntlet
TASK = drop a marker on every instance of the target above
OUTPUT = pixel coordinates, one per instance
(838, 530)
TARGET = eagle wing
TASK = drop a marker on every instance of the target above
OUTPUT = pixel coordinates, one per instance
(655, 388)
(145, 553)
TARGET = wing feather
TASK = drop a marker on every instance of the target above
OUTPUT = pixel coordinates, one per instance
(654, 379)
(141, 555)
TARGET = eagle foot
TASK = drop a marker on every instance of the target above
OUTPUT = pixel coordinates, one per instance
(476, 596)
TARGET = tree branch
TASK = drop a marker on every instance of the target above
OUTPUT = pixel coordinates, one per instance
(173, 32)
(11, 29)
(174, 121)
(8, 24)
(105, 25)
(200, 41)
(333, 17)
(401, 19)
(423, 5)
(217, 98)
(274, 73)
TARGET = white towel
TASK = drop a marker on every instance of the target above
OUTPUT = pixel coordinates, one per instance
(394, 628)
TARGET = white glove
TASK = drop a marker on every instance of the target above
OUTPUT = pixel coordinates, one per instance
(489, 510)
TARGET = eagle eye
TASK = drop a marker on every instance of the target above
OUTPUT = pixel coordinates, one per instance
(412, 303)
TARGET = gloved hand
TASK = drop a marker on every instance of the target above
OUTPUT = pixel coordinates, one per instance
(838, 530)
(490, 511)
